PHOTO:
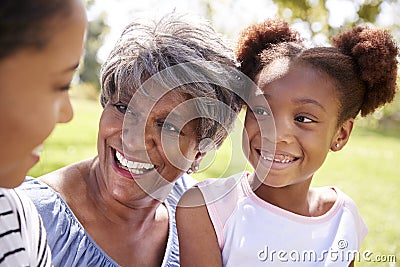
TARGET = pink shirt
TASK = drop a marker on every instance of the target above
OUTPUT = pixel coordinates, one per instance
(252, 232)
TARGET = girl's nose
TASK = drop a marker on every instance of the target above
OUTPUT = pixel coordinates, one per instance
(283, 130)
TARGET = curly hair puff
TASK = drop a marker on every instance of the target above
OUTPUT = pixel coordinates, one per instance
(362, 63)
(375, 53)
(261, 37)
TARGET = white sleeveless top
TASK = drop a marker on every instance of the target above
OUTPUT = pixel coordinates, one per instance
(252, 232)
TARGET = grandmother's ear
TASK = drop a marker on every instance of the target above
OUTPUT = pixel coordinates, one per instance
(205, 145)
(196, 162)
(199, 155)
(197, 159)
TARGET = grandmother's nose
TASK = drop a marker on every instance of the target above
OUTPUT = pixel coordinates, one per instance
(134, 133)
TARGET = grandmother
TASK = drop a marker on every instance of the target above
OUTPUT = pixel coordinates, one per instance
(167, 94)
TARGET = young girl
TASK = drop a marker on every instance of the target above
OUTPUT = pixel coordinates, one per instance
(41, 42)
(272, 217)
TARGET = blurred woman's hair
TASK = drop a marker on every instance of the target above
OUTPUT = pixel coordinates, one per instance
(24, 23)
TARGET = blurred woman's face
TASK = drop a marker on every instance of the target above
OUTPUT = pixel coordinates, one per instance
(34, 95)
(144, 145)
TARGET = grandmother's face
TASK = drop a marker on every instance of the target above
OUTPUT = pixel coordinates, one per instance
(144, 144)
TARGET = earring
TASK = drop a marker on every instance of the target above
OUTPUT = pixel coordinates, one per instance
(192, 169)
(337, 145)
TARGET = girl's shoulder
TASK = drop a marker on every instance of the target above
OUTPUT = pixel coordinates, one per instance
(330, 196)
(323, 199)
(341, 203)
(223, 189)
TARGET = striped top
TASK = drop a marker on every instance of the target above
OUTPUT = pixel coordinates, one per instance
(22, 234)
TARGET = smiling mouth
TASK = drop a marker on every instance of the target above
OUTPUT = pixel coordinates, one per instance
(132, 166)
(278, 158)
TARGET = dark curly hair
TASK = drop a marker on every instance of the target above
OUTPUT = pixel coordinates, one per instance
(362, 61)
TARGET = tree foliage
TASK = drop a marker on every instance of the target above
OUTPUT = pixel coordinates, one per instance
(315, 11)
(313, 14)
(97, 31)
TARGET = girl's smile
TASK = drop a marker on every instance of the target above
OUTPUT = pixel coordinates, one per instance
(278, 160)
(304, 127)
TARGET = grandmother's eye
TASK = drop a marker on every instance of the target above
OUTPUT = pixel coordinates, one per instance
(166, 126)
(261, 111)
(121, 107)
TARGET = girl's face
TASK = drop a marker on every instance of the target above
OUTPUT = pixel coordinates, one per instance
(305, 115)
(144, 147)
(34, 95)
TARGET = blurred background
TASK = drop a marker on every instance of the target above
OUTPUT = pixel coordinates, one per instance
(366, 169)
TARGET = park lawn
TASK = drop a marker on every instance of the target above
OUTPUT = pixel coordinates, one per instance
(366, 169)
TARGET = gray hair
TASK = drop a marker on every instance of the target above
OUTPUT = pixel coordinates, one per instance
(195, 61)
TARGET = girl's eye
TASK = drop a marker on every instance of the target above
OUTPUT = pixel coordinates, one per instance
(261, 112)
(303, 119)
(121, 107)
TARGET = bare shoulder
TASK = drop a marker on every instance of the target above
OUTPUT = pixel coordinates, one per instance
(323, 198)
(194, 223)
(192, 210)
(191, 198)
(67, 177)
(328, 195)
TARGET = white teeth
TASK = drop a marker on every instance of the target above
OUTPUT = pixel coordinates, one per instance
(280, 159)
(134, 171)
(269, 158)
(133, 166)
(36, 151)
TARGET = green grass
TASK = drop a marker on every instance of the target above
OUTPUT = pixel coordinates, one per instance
(366, 169)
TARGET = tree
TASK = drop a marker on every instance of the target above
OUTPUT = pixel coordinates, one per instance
(97, 31)
(316, 12)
